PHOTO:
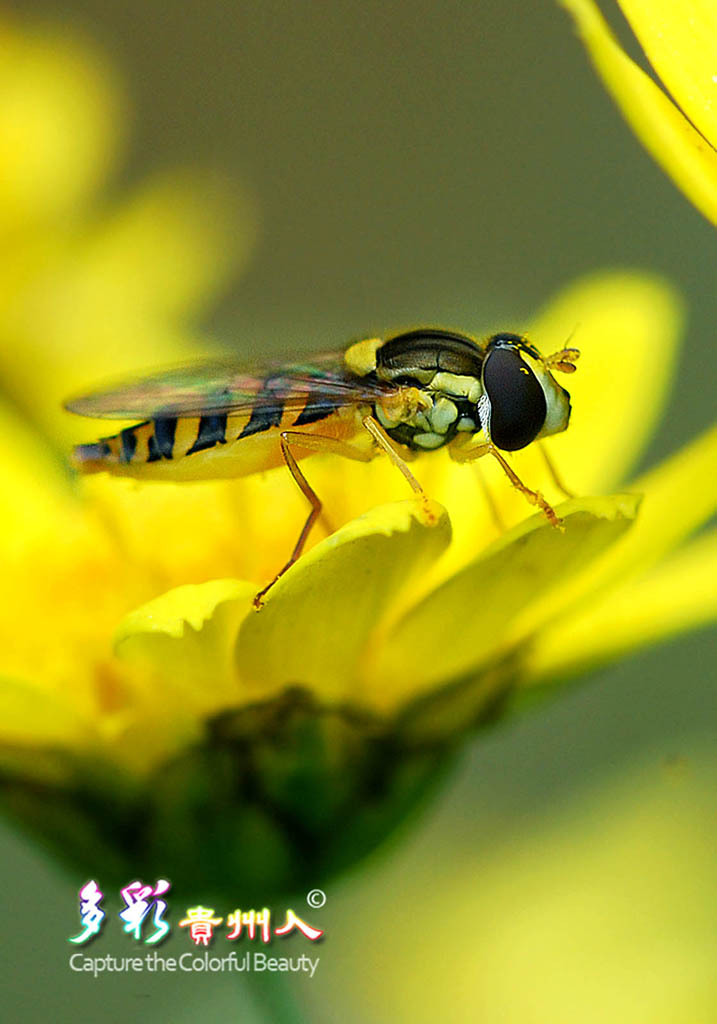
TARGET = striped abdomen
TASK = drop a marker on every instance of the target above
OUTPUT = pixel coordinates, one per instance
(207, 447)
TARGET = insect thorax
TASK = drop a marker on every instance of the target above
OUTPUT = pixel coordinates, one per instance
(438, 378)
(432, 419)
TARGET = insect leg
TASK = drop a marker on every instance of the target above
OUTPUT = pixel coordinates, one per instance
(384, 441)
(552, 469)
(534, 497)
(315, 443)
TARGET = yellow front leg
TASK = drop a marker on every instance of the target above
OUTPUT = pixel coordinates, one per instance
(462, 452)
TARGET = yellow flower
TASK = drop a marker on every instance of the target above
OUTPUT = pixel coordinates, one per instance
(680, 129)
(153, 722)
(285, 743)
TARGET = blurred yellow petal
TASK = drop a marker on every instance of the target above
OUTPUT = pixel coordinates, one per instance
(39, 735)
(60, 108)
(29, 715)
(57, 561)
(680, 40)
(596, 912)
(471, 618)
(661, 127)
(113, 301)
(627, 327)
(320, 616)
(678, 595)
(36, 490)
(168, 249)
(63, 594)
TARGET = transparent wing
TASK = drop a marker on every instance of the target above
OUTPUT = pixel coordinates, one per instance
(222, 387)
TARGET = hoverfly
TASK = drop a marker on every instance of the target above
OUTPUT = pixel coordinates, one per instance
(413, 392)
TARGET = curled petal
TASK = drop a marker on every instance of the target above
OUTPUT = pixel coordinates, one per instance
(177, 653)
(187, 637)
(680, 41)
(661, 127)
(321, 615)
(486, 607)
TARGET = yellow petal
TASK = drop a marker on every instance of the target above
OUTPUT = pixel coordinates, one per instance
(29, 716)
(679, 496)
(42, 734)
(572, 902)
(627, 326)
(169, 248)
(661, 127)
(186, 639)
(178, 650)
(320, 616)
(680, 40)
(479, 612)
(60, 109)
(113, 303)
(62, 575)
(680, 594)
(36, 491)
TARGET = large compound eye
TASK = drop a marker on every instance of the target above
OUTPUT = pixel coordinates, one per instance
(517, 401)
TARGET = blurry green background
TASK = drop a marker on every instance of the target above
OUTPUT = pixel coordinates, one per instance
(451, 163)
